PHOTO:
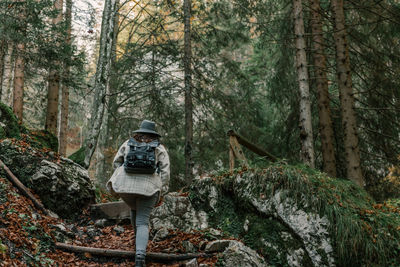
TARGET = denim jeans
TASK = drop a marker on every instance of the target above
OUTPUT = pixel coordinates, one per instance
(141, 207)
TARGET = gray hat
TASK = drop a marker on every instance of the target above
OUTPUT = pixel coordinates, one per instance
(147, 127)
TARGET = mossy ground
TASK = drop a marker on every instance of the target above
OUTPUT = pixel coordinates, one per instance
(364, 233)
(43, 139)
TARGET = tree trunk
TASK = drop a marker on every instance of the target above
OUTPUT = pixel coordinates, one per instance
(3, 48)
(325, 120)
(19, 80)
(187, 61)
(349, 124)
(54, 82)
(306, 134)
(65, 90)
(108, 141)
(102, 78)
(7, 75)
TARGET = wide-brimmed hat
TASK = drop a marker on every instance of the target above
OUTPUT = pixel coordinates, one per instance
(147, 127)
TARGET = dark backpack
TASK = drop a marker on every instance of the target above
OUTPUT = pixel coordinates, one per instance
(141, 157)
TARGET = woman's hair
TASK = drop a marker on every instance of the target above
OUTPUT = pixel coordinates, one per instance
(145, 137)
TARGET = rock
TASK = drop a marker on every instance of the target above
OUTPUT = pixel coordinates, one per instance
(237, 208)
(215, 232)
(111, 210)
(119, 229)
(218, 245)
(176, 212)
(60, 227)
(92, 231)
(160, 235)
(103, 223)
(188, 246)
(63, 187)
(191, 263)
(235, 253)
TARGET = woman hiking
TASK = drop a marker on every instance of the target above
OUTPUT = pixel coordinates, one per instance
(140, 178)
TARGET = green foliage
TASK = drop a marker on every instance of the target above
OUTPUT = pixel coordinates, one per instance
(79, 156)
(2, 133)
(8, 118)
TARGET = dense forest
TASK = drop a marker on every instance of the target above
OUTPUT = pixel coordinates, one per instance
(315, 83)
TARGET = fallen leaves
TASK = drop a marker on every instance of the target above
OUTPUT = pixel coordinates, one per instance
(21, 233)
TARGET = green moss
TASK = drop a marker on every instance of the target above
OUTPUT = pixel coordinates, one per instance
(44, 139)
(263, 234)
(79, 156)
(2, 133)
(364, 233)
(8, 118)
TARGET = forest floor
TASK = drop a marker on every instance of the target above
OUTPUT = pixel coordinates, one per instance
(27, 238)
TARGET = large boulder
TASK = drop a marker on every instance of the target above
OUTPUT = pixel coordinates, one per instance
(295, 216)
(176, 212)
(62, 185)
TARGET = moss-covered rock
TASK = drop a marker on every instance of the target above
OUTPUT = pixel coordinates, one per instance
(79, 156)
(44, 139)
(9, 122)
(295, 216)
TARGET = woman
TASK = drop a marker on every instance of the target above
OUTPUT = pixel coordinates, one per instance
(141, 191)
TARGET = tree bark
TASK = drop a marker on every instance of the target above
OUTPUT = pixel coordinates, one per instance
(3, 48)
(108, 144)
(187, 62)
(64, 89)
(19, 80)
(306, 133)
(102, 78)
(7, 75)
(349, 123)
(54, 81)
(325, 120)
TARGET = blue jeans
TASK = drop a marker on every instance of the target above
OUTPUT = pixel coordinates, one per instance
(141, 207)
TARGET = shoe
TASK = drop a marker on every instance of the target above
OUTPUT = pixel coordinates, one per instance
(139, 262)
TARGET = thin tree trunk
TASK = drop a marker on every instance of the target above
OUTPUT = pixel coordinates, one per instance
(102, 78)
(7, 75)
(325, 120)
(64, 89)
(3, 48)
(306, 134)
(19, 80)
(349, 124)
(188, 92)
(54, 82)
(104, 171)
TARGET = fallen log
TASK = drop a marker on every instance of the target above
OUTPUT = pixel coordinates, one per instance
(25, 191)
(131, 254)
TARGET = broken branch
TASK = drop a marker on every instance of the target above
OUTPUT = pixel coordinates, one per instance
(24, 190)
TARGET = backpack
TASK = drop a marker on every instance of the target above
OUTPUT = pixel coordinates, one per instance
(141, 157)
